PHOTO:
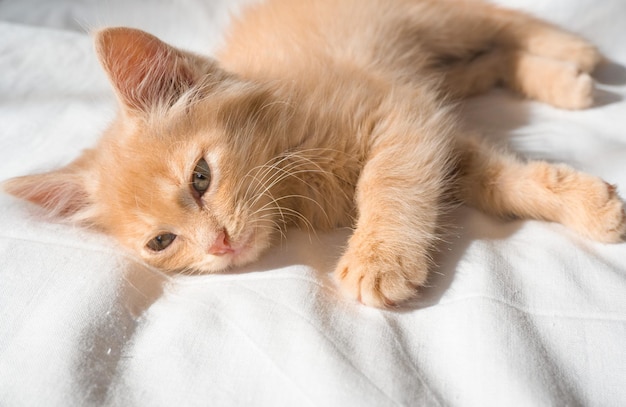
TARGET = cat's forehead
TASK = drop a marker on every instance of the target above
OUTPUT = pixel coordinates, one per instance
(137, 169)
(158, 142)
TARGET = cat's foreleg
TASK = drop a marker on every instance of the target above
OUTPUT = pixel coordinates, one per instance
(399, 199)
(503, 185)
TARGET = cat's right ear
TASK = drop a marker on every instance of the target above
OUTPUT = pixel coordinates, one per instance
(145, 71)
(62, 193)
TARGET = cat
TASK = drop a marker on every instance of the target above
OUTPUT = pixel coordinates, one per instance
(326, 114)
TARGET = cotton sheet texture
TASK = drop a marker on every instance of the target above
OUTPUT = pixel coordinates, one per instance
(521, 313)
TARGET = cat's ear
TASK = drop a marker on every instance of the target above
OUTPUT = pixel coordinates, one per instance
(61, 193)
(144, 70)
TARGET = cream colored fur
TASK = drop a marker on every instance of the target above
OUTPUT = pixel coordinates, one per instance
(325, 114)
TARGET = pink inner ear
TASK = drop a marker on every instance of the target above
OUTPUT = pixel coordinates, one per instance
(60, 193)
(143, 69)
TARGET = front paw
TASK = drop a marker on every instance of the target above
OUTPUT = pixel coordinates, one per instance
(380, 276)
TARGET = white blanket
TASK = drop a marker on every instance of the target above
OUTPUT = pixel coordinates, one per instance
(522, 313)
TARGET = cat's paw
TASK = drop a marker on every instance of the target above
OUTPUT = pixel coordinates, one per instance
(558, 83)
(378, 277)
(605, 217)
(590, 205)
(568, 48)
(572, 89)
(585, 56)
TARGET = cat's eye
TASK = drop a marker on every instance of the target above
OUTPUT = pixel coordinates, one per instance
(201, 178)
(161, 242)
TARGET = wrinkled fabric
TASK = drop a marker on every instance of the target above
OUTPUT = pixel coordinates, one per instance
(520, 313)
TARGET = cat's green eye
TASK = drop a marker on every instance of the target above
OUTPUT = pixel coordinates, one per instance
(161, 242)
(201, 178)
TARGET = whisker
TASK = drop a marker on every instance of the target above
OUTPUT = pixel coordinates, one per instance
(261, 182)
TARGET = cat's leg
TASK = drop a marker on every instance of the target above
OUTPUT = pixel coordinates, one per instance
(501, 184)
(466, 79)
(551, 81)
(548, 80)
(540, 38)
(512, 29)
(399, 198)
(533, 57)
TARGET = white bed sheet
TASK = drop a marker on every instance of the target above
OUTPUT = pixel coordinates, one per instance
(520, 314)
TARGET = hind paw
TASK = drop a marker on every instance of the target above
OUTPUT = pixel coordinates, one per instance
(609, 224)
(572, 89)
(568, 48)
(585, 56)
(597, 211)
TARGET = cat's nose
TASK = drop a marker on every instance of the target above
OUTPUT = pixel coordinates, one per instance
(221, 245)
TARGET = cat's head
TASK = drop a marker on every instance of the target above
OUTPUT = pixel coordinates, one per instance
(183, 176)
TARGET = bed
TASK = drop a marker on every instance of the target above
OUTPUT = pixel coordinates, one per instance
(519, 313)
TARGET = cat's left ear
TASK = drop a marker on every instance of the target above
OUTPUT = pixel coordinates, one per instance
(144, 70)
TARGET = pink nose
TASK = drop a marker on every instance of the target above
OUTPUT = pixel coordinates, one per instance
(221, 245)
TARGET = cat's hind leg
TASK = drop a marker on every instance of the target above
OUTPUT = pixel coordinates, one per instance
(500, 46)
(517, 30)
(464, 79)
(545, 62)
(548, 80)
(551, 81)
(543, 39)
(501, 184)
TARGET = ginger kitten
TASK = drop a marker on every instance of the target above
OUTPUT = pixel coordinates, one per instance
(325, 114)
